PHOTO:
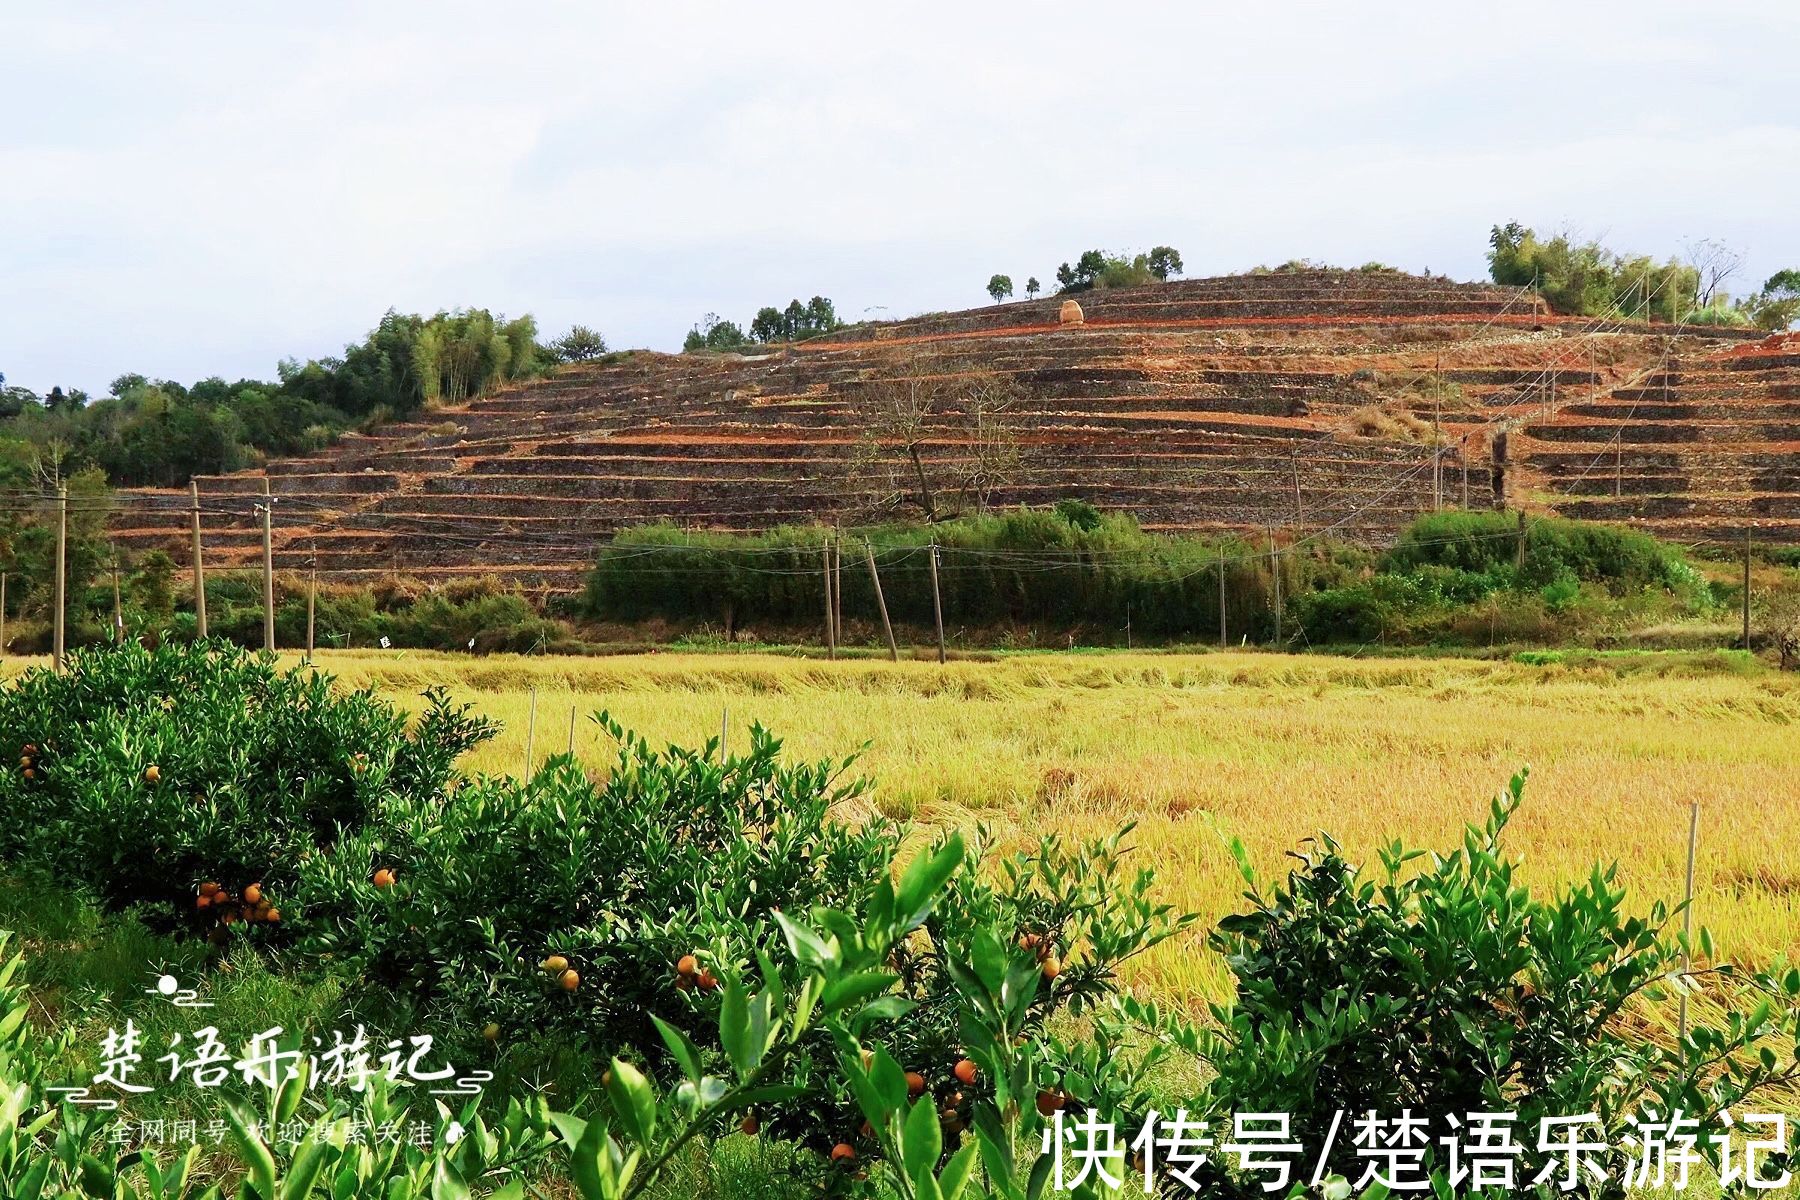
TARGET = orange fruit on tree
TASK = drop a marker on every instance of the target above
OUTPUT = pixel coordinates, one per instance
(253, 894)
(687, 964)
(491, 1031)
(915, 1084)
(152, 773)
(273, 916)
(843, 1152)
(209, 889)
(750, 1124)
(569, 981)
(964, 1070)
(556, 964)
(1029, 941)
(203, 901)
(707, 980)
(384, 877)
(1050, 1101)
(1052, 967)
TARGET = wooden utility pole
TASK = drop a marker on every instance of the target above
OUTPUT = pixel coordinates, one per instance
(199, 570)
(937, 603)
(1687, 925)
(118, 621)
(830, 615)
(57, 639)
(268, 515)
(837, 585)
(1437, 435)
(1275, 577)
(1519, 550)
(1746, 588)
(1222, 639)
(2, 612)
(1463, 454)
(1299, 508)
(881, 602)
(312, 601)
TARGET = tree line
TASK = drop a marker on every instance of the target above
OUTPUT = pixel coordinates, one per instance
(160, 433)
(1098, 269)
(1586, 278)
(795, 323)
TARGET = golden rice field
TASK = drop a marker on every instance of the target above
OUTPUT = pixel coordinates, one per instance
(1198, 749)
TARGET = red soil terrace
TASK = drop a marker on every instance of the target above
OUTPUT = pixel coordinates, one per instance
(1295, 399)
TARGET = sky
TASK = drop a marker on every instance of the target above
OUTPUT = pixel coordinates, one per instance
(195, 188)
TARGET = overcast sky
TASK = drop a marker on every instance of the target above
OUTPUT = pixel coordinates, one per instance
(197, 188)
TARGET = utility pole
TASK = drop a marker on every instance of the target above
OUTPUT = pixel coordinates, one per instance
(1299, 509)
(1275, 577)
(837, 584)
(830, 617)
(1519, 550)
(2, 612)
(62, 561)
(937, 604)
(118, 621)
(1746, 588)
(1437, 436)
(268, 515)
(312, 600)
(1222, 639)
(1463, 454)
(199, 570)
(881, 602)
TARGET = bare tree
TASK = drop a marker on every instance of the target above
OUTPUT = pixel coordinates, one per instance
(925, 434)
(1715, 264)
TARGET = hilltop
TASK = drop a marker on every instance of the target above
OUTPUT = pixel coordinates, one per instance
(1328, 401)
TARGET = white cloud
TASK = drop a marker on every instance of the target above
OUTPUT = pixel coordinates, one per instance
(198, 188)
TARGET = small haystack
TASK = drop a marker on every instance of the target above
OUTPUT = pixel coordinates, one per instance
(1071, 313)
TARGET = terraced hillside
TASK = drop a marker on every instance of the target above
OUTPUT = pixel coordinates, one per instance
(1342, 402)
(1700, 446)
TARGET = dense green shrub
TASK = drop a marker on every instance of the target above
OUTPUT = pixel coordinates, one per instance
(143, 772)
(1443, 986)
(1066, 566)
(675, 852)
(1487, 543)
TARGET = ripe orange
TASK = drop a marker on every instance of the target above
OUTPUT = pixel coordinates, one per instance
(749, 1124)
(687, 964)
(253, 894)
(273, 916)
(384, 877)
(202, 901)
(30, 774)
(569, 980)
(209, 889)
(915, 1084)
(1049, 1101)
(152, 774)
(707, 980)
(1029, 941)
(843, 1152)
(964, 1070)
(556, 964)
(1052, 967)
